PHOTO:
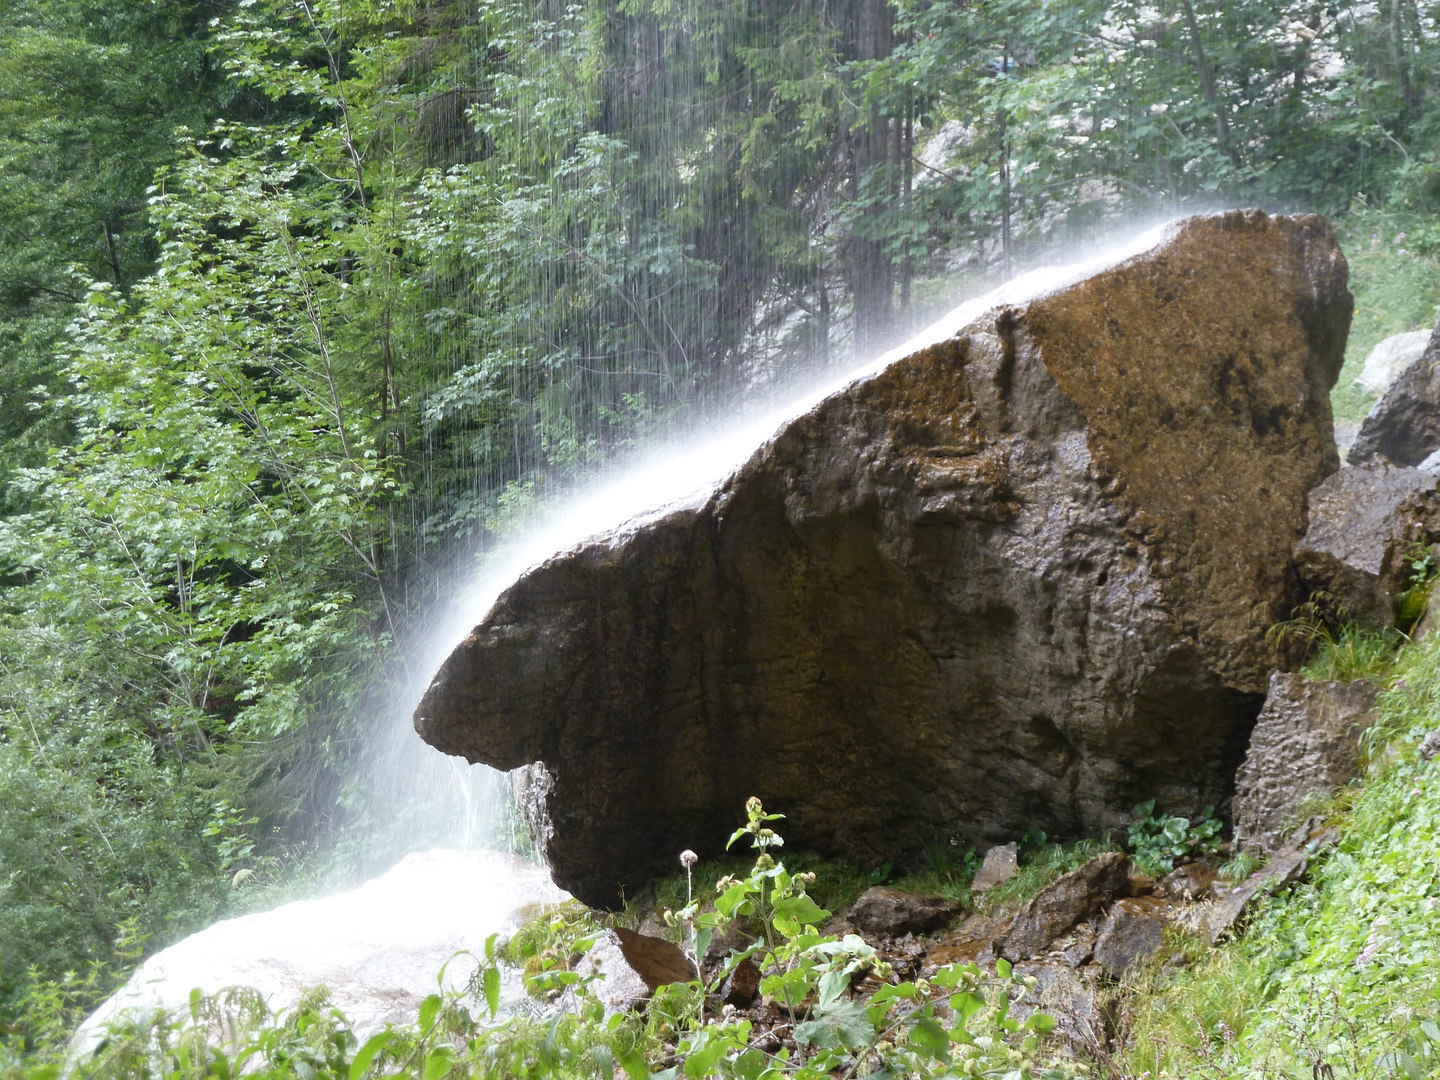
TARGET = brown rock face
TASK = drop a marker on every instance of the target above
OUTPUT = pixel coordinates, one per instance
(1020, 578)
(1069, 899)
(1365, 523)
(890, 912)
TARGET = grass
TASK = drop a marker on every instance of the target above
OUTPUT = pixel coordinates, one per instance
(1334, 978)
(1395, 276)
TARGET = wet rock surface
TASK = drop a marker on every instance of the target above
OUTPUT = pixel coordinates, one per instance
(891, 913)
(1020, 578)
(1404, 425)
(1304, 742)
(1132, 931)
(1068, 900)
(1365, 522)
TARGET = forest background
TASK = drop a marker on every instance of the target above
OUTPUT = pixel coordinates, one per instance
(303, 304)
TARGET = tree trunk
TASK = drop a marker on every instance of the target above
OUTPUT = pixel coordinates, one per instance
(1207, 81)
(868, 34)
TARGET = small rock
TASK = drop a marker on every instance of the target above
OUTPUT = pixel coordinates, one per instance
(1304, 741)
(1001, 864)
(1190, 882)
(1283, 869)
(1364, 523)
(654, 959)
(1430, 745)
(891, 913)
(1064, 902)
(1070, 999)
(742, 985)
(1139, 884)
(1076, 947)
(1132, 931)
(1404, 425)
(730, 939)
(1389, 358)
(621, 987)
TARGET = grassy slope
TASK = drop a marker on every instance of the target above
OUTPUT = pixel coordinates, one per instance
(1396, 283)
(1340, 973)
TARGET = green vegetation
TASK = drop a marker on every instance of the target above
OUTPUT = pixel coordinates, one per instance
(1334, 977)
(956, 1023)
(1158, 840)
(304, 304)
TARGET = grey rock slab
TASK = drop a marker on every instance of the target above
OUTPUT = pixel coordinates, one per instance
(1215, 918)
(1072, 1000)
(1132, 932)
(1430, 745)
(1069, 899)
(1304, 742)
(1001, 864)
(890, 913)
(1364, 523)
(1389, 358)
(1018, 578)
(1404, 425)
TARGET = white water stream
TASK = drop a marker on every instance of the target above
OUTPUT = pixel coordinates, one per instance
(379, 947)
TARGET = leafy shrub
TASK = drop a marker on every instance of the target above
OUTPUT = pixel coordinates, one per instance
(1158, 840)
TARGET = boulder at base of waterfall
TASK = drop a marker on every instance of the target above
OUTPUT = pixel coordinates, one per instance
(1017, 578)
(891, 913)
(1404, 425)
(1389, 358)
(1069, 899)
(1365, 524)
(1304, 743)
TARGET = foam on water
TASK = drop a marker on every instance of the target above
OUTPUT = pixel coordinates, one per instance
(379, 948)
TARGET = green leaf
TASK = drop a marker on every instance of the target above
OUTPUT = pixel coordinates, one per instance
(929, 1036)
(634, 1064)
(750, 1065)
(1003, 966)
(492, 990)
(366, 1054)
(832, 984)
(1040, 1021)
(852, 1023)
(605, 1062)
(801, 909)
(438, 1062)
(819, 1033)
(966, 1004)
(429, 1009)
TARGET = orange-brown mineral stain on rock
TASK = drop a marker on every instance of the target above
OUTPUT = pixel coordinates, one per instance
(937, 429)
(1205, 338)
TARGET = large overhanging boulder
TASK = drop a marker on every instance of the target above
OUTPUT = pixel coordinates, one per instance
(1019, 578)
